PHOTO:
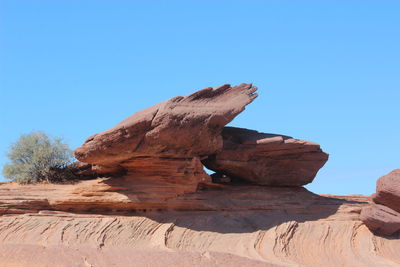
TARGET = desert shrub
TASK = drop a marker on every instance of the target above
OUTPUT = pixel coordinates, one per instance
(37, 157)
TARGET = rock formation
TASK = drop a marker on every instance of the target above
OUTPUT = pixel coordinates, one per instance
(93, 223)
(266, 159)
(182, 127)
(153, 204)
(162, 146)
(388, 190)
(384, 217)
(381, 219)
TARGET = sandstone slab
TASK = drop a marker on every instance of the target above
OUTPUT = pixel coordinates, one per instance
(380, 219)
(222, 226)
(160, 148)
(388, 190)
(182, 127)
(266, 159)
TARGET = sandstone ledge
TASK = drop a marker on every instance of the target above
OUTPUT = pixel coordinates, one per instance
(122, 195)
(227, 225)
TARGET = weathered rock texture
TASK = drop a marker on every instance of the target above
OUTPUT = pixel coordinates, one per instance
(266, 159)
(155, 205)
(227, 226)
(388, 190)
(381, 219)
(120, 196)
(182, 127)
(384, 218)
(162, 146)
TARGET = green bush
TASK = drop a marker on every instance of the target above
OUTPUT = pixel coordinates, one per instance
(37, 157)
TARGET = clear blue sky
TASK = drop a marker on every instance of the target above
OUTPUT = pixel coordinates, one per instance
(327, 71)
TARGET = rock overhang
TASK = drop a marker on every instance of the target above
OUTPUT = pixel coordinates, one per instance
(193, 130)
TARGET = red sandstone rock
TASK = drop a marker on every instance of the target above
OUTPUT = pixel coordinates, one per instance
(222, 226)
(182, 127)
(267, 159)
(388, 190)
(380, 219)
(84, 170)
(159, 148)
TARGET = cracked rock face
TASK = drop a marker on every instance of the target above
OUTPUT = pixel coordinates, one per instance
(266, 159)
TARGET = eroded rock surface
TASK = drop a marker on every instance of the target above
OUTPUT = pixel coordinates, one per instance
(182, 127)
(222, 226)
(388, 190)
(384, 217)
(266, 159)
(155, 200)
(171, 137)
(160, 148)
(381, 219)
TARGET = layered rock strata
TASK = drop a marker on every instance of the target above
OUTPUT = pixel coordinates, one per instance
(384, 216)
(154, 204)
(182, 127)
(161, 147)
(266, 159)
(226, 225)
(388, 190)
(381, 219)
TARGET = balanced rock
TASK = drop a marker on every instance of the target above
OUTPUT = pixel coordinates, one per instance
(380, 219)
(388, 190)
(160, 148)
(266, 159)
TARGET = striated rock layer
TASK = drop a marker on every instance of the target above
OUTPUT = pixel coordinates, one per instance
(170, 138)
(384, 217)
(182, 127)
(380, 219)
(226, 226)
(156, 206)
(160, 148)
(388, 190)
(266, 159)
